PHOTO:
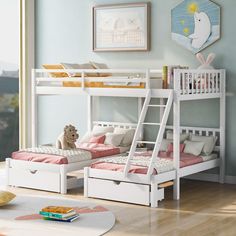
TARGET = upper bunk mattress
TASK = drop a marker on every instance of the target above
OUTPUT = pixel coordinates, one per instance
(84, 152)
(140, 162)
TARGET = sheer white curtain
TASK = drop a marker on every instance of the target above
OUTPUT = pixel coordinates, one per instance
(27, 39)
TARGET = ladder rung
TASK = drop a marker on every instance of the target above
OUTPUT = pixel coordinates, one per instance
(146, 123)
(147, 142)
(153, 105)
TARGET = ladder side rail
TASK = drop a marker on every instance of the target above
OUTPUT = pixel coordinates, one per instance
(137, 131)
(160, 133)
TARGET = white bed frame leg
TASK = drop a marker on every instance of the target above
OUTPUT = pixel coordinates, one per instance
(154, 202)
(176, 122)
(86, 175)
(7, 170)
(222, 128)
(176, 189)
(63, 177)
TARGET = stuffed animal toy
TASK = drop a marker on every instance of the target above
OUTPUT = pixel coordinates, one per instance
(68, 138)
(205, 64)
(203, 82)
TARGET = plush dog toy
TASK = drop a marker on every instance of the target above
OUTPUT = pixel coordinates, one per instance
(68, 138)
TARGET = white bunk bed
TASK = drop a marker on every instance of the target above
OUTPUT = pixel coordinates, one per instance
(33, 174)
(125, 186)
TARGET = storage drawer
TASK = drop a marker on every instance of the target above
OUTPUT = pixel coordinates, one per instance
(43, 180)
(119, 191)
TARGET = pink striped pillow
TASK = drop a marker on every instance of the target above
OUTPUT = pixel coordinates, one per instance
(171, 147)
(97, 139)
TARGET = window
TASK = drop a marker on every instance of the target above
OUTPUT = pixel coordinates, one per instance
(9, 77)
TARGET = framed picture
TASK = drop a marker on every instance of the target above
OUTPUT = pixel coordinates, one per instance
(196, 24)
(121, 27)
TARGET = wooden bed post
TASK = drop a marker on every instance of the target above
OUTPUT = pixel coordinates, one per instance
(34, 108)
(63, 177)
(90, 112)
(153, 194)
(222, 127)
(176, 118)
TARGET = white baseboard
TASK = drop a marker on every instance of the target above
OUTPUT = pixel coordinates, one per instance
(212, 178)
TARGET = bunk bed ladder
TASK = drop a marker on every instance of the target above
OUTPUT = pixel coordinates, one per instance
(162, 126)
(160, 133)
(138, 131)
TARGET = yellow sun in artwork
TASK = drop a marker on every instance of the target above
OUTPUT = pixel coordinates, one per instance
(186, 31)
(192, 8)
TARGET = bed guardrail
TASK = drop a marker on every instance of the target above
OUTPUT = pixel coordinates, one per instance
(198, 82)
(216, 132)
(44, 77)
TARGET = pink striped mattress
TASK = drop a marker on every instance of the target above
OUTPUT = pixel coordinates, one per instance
(185, 160)
(96, 151)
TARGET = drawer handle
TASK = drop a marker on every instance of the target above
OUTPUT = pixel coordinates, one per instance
(116, 182)
(33, 171)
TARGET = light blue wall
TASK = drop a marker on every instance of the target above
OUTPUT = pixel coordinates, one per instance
(64, 34)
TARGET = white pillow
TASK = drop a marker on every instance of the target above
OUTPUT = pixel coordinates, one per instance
(209, 142)
(193, 147)
(164, 144)
(113, 139)
(78, 66)
(88, 135)
(100, 66)
(97, 131)
(183, 137)
(128, 136)
(101, 129)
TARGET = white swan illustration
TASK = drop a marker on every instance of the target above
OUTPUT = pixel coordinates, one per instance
(202, 29)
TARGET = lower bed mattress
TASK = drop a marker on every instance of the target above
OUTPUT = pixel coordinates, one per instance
(140, 162)
(83, 152)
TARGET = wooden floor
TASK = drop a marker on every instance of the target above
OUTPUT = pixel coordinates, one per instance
(204, 209)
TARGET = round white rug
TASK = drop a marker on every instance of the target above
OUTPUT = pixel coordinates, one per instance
(21, 217)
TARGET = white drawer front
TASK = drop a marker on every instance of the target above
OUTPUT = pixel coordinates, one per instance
(119, 191)
(160, 194)
(43, 180)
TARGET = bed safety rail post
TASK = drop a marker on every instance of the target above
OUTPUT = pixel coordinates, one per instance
(176, 122)
(147, 79)
(137, 131)
(160, 133)
(222, 126)
(33, 109)
(90, 112)
(82, 81)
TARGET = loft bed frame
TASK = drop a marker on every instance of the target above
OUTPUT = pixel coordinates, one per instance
(188, 85)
